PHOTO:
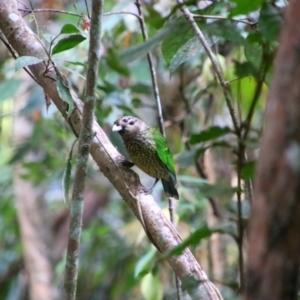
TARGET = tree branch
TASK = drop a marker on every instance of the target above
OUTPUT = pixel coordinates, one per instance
(84, 141)
(110, 162)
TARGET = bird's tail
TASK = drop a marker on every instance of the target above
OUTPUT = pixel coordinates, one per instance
(170, 189)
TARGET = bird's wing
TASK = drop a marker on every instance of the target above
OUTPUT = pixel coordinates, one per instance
(164, 153)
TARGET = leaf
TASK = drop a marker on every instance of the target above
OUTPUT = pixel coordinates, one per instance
(207, 189)
(142, 49)
(25, 61)
(68, 43)
(244, 69)
(254, 54)
(66, 179)
(209, 134)
(244, 7)
(248, 170)
(187, 158)
(9, 88)
(200, 234)
(181, 34)
(77, 63)
(190, 49)
(69, 28)
(217, 190)
(114, 62)
(65, 94)
(151, 287)
(143, 264)
(269, 22)
(225, 30)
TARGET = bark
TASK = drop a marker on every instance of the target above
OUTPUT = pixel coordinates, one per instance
(274, 244)
(162, 232)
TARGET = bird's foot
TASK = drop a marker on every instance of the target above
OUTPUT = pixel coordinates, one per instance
(148, 191)
(127, 164)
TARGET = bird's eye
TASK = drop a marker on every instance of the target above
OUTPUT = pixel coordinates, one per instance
(125, 120)
(131, 122)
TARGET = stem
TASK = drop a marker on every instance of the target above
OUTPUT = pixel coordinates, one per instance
(85, 139)
(245, 21)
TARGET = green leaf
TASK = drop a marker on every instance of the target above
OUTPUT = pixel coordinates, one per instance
(207, 189)
(192, 180)
(68, 43)
(65, 94)
(200, 234)
(153, 17)
(66, 179)
(136, 102)
(269, 22)
(187, 158)
(151, 287)
(225, 30)
(25, 61)
(143, 264)
(190, 49)
(244, 7)
(248, 170)
(217, 190)
(69, 28)
(254, 54)
(209, 134)
(9, 88)
(114, 62)
(181, 34)
(77, 63)
(142, 49)
(244, 69)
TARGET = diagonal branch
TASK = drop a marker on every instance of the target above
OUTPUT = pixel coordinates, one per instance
(190, 18)
(110, 162)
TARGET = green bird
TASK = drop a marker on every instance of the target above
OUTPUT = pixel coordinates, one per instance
(149, 151)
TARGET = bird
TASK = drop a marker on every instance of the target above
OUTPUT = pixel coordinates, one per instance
(149, 151)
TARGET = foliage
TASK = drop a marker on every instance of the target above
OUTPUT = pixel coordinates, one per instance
(116, 261)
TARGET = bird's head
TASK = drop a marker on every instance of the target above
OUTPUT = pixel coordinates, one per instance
(129, 126)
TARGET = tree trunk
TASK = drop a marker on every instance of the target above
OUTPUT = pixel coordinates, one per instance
(274, 243)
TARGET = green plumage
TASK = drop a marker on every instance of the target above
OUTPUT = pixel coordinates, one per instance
(149, 151)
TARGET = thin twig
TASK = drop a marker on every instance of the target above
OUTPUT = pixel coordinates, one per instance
(60, 11)
(85, 138)
(41, 10)
(244, 21)
(14, 55)
(87, 9)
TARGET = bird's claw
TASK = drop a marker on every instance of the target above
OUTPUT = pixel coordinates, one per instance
(127, 164)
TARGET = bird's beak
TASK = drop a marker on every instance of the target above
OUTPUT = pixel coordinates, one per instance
(117, 127)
